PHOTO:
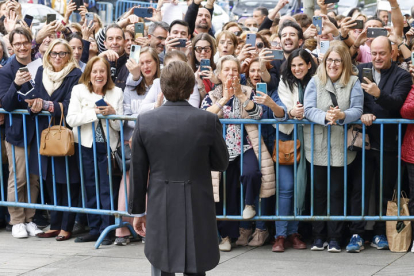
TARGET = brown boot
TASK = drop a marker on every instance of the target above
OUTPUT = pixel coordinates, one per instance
(278, 246)
(244, 237)
(296, 242)
(259, 237)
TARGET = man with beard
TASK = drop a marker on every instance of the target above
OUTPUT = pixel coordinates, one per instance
(291, 38)
(199, 19)
(157, 34)
(259, 14)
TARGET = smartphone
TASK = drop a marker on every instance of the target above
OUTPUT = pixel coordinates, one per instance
(28, 19)
(324, 46)
(412, 58)
(23, 69)
(412, 24)
(78, 4)
(143, 12)
(50, 17)
(135, 52)
(367, 73)
(183, 43)
(331, 1)
(262, 87)
(317, 21)
(375, 32)
(359, 25)
(277, 54)
(139, 29)
(101, 102)
(89, 18)
(204, 63)
(251, 39)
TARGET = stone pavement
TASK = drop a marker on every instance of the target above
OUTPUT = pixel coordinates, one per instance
(34, 256)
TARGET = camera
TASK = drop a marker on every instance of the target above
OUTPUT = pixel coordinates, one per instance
(113, 71)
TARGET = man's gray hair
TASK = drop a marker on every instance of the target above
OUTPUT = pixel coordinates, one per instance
(157, 24)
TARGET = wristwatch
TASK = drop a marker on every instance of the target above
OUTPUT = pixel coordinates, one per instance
(246, 102)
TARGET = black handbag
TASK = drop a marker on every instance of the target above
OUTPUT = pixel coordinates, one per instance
(118, 156)
(116, 170)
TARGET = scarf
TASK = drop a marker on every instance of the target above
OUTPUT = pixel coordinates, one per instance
(53, 80)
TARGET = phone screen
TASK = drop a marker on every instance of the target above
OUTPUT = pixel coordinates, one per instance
(28, 19)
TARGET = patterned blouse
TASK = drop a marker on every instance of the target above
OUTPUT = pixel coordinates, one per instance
(233, 110)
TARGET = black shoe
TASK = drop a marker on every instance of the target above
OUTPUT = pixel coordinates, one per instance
(87, 238)
(9, 227)
(107, 241)
(79, 228)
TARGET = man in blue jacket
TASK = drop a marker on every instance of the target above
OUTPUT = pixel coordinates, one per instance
(383, 98)
(13, 80)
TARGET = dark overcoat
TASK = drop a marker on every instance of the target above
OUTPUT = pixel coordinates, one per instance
(60, 95)
(180, 145)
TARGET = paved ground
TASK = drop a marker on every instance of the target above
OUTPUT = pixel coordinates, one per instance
(34, 256)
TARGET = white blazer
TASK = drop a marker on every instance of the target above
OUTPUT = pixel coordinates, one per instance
(81, 113)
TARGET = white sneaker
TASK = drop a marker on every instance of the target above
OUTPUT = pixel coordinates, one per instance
(225, 244)
(412, 248)
(32, 229)
(19, 231)
(249, 212)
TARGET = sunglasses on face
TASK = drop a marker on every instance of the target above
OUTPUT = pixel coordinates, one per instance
(260, 45)
(199, 49)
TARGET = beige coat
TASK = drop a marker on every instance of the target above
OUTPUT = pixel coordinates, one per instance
(268, 187)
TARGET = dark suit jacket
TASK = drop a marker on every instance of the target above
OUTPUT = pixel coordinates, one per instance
(180, 146)
(10, 101)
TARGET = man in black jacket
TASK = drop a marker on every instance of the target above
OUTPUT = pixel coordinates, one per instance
(179, 153)
(383, 98)
(199, 18)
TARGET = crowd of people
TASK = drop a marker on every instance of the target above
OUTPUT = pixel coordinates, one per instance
(78, 64)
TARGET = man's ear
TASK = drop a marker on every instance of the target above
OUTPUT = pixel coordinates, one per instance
(300, 41)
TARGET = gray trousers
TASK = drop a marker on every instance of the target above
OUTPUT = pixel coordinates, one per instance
(157, 272)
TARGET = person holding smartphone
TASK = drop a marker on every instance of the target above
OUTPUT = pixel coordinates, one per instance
(53, 85)
(86, 103)
(297, 71)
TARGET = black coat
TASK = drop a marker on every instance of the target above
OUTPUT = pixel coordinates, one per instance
(180, 145)
(395, 84)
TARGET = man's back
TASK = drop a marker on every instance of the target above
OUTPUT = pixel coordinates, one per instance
(180, 146)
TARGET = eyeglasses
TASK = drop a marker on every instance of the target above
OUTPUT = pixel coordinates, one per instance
(335, 61)
(260, 45)
(199, 49)
(275, 44)
(60, 54)
(20, 44)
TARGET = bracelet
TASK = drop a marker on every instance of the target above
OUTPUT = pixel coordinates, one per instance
(290, 114)
(399, 45)
(393, 8)
(63, 22)
(219, 105)
(344, 38)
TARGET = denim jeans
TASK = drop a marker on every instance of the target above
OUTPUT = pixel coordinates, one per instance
(285, 204)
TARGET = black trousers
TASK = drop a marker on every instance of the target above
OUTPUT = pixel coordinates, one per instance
(330, 229)
(372, 181)
(251, 181)
(61, 220)
(157, 272)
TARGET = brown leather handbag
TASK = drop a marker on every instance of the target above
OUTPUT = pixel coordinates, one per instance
(57, 140)
(287, 152)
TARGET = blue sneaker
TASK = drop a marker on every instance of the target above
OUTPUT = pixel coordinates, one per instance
(319, 245)
(355, 245)
(334, 246)
(380, 242)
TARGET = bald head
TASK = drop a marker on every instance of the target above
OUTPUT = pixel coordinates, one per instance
(381, 40)
(286, 18)
(381, 53)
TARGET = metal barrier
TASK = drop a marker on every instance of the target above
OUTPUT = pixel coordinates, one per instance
(106, 12)
(119, 214)
(123, 6)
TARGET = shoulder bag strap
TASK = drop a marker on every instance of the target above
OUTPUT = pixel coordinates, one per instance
(333, 97)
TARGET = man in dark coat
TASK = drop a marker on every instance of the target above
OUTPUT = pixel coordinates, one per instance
(179, 145)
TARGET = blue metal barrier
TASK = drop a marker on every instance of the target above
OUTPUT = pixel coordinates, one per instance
(123, 6)
(119, 214)
(106, 12)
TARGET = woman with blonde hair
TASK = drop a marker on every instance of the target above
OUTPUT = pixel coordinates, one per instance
(333, 98)
(53, 86)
